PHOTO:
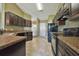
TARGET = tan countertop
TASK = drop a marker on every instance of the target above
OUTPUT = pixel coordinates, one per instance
(72, 42)
(9, 39)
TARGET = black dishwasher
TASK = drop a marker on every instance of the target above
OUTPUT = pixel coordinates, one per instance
(54, 43)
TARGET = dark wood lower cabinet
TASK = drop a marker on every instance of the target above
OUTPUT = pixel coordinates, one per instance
(65, 50)
(18, 49)
(29, 36)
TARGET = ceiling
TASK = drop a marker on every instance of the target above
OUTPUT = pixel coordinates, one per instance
(48, 9)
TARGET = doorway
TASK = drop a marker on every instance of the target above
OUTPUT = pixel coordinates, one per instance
(43, 30)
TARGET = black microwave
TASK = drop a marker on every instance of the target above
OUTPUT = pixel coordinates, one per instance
(71, 31)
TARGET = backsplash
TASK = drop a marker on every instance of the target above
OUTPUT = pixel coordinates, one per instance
(69, 24)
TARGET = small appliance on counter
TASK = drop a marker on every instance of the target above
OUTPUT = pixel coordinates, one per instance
(71, 31)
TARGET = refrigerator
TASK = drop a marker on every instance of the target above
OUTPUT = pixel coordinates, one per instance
(52, 27)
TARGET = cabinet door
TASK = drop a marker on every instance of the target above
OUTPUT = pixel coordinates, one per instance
(70, 51)
(24, 22)
(28, 23)
(53, 43)
(60, 48)
(60, 51)
(19, 21)
(7, 19)
(67, 10)
(75, 8)
(14, 19)
(11, 19)
(65, 50)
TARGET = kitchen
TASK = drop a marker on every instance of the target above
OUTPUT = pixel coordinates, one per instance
(58, 34)
(65, 40)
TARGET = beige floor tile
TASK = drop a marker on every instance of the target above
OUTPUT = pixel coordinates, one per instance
(38, 47)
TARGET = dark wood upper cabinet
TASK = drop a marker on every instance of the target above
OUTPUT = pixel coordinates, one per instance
(7, 19)
(63, 14)
(14, 20)
(75, 8)
(66, 9)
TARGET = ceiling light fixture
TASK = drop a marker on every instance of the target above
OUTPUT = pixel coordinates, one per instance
(39, 6)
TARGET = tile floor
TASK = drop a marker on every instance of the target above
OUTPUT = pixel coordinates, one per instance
(38, 47)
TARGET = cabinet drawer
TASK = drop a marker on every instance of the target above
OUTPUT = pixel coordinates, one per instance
(60, 50)
(66, 50)
(70, 51)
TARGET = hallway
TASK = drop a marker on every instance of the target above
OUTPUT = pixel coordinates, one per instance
(38, 47)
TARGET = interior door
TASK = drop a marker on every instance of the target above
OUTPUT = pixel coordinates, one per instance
(43, 29)
(34, 29)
